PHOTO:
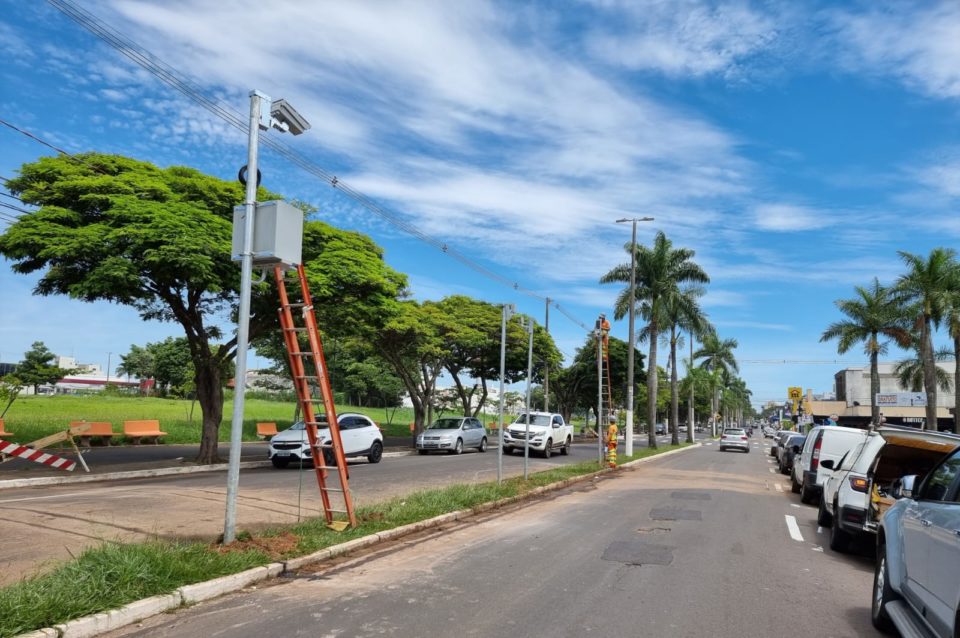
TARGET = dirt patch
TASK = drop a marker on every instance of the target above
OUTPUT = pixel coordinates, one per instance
(276, 547)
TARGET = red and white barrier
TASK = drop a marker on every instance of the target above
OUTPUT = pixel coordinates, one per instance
(37, 456)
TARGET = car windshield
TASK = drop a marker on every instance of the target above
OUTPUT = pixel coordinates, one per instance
(321, 418)
(445, 424)
(535, 419)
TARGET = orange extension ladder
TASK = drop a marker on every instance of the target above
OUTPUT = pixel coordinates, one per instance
(328, 456)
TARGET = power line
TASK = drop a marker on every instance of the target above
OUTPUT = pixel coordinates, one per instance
(169, 76)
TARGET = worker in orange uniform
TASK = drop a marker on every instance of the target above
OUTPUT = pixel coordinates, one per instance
(604, 326)
(612, 442)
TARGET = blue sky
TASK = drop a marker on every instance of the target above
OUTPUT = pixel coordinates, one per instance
(795, 146)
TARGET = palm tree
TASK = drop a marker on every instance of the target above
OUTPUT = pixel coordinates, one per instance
(924, 292)
(660, 270)
(682, 312)
(718, 359)
(872, 314)
(910, 371)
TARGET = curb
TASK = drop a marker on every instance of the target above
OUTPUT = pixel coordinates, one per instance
(10, 484)
(102, 622)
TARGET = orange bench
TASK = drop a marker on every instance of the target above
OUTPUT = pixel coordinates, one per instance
(266, 430)
(3, 432)
(102, 429)
(146, 429)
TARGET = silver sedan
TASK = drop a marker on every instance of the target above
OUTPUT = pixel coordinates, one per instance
(452, 434)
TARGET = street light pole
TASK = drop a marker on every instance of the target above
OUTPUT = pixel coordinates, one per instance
(505, 314)
(628, 430)
(526, 442)
(546, 364)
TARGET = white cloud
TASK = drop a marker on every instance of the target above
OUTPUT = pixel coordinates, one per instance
(723, 298)
(918, 44)
(789, 218)
(682, 37)
(756, 325)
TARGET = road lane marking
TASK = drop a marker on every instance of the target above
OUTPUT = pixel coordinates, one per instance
(817, 548)
(794, 505)
(777, 485)
(772, 471)
(793, 528)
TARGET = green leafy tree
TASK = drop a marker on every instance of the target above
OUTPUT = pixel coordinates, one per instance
(114, 229)
(682, 312)
(660, 270)
(924, 291)
(10, 388)
(38, 368)
(909, 372)
(138, 362)
(953, 327)
(716, 357)
(873, 317)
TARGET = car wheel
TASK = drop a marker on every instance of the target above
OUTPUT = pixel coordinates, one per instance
(723, 449)
(806, 494)
(376, 452)
(483, 445)
(421, 451)
(565, 450)
(280, 463)
(882, 593)
(458, 448)
(839, 539)
(794, 486)
(547, 449)
(823, 516)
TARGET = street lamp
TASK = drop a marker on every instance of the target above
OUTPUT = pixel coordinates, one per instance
(528, 323)
(264, 114)
(628, 434)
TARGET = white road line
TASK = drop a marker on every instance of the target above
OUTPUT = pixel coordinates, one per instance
(794, 505)
(777, 485)
(793, 528)
(772, 471)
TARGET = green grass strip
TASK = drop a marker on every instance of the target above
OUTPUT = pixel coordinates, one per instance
(112, 575)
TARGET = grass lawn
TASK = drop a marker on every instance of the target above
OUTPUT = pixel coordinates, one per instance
(32, 417)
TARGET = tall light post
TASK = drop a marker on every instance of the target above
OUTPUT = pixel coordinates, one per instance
(264, 114)
(506, 312)
(628, 433)
(546, 363)
(526, 437)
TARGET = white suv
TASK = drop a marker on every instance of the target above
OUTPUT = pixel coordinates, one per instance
(548, 431)
(843, 505)
(824, 442)
(360, 437)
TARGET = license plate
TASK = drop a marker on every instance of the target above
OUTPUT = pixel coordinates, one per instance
(282, 454)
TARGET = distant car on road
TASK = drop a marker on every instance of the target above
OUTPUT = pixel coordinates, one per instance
(452, 434)
(360, 437)
(916, 584)
(660, 428)
(735, 438)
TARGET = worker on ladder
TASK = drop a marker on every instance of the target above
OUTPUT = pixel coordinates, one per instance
(604, 327)
(612, 441)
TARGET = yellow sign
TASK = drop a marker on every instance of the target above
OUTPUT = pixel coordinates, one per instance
(795, 393)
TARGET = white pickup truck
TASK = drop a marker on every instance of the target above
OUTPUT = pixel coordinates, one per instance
(548, 432)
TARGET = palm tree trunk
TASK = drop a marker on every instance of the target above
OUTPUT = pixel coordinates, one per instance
(674, 397)
(929, 374)
(652, 388)
(874, 384)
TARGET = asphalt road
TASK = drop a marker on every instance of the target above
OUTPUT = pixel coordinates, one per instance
(60, 521)
(698, 544)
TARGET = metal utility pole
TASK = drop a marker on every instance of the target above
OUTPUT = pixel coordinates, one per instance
(690, 410)
(631, 338)
(109, 354)
(546, 365)
(243, 318)
(526, 442)
(505, 314)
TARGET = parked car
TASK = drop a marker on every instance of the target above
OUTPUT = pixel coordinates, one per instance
(822, 443)
(790, 449)
(452, 434)
(907, 451)
(660, 428)
(846, 495)
(734, 438)
(360, 437)
(916, 585)
(779, 441)
(548, 431)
